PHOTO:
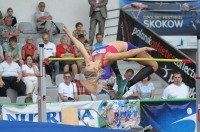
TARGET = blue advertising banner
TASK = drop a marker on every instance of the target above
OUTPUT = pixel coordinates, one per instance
(169, 116)
(166, 17)
(111, 114)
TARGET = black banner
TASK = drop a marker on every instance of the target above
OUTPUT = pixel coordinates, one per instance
(131, 30)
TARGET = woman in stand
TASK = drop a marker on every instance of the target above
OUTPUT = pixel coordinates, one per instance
(30, 72)
(145, 89)
(66, 50)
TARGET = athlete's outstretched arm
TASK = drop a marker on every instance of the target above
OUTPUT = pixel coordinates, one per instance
(78, 44)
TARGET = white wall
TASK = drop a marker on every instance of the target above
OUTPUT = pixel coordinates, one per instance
(66, 11)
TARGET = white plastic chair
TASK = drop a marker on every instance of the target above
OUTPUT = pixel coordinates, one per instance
(84, 98)
(5, 100)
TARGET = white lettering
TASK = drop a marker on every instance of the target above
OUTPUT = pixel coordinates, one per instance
(141, 35)
(163, 23)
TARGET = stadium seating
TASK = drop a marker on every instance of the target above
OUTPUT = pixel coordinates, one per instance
(21, 99)
(102, 97)
(38, 41)
(53, 93)
(26, 28)
(21, 41)
(12, 94)
(84, 98)
(49, 83)
(5, 100)
(60, 26)
(56, 40)
(59, 79)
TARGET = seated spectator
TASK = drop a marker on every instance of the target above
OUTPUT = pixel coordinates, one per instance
(15, 49)
(99, 39)
(1, 54)
(51, 67)
(1, 19)
(29, 49)
(177, 89)
(121, 90)
(66, 50)
(79, 30)
(44, 22)
(8, 31)
(82, 39)
(10, 76)
(67, 90)
(1, 26)
(30, 72)
(145, 89)
(28, 100)
(10, 14)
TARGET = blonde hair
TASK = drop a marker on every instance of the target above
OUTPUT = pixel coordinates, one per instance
(89, 79)
(28, 37)
(62, 37)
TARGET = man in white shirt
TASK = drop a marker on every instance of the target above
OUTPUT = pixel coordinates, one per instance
(178, 89)
(67, 90)
(10, 76)
(50, 51)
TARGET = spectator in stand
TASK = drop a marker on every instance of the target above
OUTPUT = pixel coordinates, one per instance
(98, 14)
(1, 26)
(1, 54)
(177, 89)
(67, 90)
(28, 100)
(30, 72)
(99, 38)
(10, 76)
(127, 90)
(1, 19)
(8, 31)
(44, 21)
(66, 50)
(145, 89)
(79, 30)
(10, 14)
(82, 39)
(52, 67)
(15, 49)
(29, 49)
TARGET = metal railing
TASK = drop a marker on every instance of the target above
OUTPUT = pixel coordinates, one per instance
(112, 18)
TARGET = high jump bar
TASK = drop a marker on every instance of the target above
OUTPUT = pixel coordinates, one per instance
(132, 59)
